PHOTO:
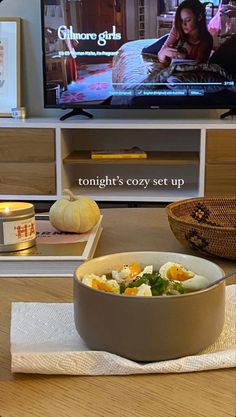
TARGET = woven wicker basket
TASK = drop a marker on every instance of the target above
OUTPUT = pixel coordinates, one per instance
(207, 225)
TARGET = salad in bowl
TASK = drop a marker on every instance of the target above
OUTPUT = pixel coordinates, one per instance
(171, 278)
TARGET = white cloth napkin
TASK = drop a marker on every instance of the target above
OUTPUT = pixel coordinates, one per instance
(44, 341)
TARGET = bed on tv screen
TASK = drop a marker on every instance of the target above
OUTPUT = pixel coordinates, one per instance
(138, 54)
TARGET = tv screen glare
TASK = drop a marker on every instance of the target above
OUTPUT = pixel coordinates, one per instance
(138, 54)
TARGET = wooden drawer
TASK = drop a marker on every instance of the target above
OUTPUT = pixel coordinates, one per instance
(27, 178)
(221, 146)
(27, 145)
(220, 180)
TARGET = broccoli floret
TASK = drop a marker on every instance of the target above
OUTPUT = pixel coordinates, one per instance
(158, 284)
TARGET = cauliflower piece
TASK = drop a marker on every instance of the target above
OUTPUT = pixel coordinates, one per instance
(121, 275)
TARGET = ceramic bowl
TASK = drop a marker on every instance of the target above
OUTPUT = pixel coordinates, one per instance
(149, 328)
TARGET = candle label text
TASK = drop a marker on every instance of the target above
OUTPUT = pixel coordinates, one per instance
(19, 231)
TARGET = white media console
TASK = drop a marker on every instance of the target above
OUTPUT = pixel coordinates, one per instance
(40, 157)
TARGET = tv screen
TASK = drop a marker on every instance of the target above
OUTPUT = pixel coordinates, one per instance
(138, 54)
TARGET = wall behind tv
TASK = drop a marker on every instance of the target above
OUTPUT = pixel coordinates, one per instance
(32, 75)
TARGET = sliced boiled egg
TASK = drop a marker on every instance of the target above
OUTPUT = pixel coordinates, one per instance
(174, 271)
(88, 279)
(143, 291)
(135, 269)
(127, 273)
(147, 270)
(101, 283)
(110, 285)
(190, 280)
(131, 291)
(198, 282)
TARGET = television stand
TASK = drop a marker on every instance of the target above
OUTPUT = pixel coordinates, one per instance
(76, 112)
(231, 112)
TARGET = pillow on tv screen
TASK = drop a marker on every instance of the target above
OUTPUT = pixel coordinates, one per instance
(225, 56)
(156, 46)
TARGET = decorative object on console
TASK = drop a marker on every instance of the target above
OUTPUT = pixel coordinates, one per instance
(17, 226)
(18, 112)
(77, 215)
(10, 73)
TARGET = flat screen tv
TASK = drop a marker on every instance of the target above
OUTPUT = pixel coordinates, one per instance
(138, 54)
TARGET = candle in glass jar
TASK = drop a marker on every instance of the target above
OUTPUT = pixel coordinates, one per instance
(12, 207)
(17, 226)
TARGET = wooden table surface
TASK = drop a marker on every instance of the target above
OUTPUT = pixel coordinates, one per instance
(196, 394)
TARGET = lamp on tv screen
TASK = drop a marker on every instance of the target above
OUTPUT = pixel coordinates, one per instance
(139, 54)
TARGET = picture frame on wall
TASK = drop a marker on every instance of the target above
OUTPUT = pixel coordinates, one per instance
(10, 64)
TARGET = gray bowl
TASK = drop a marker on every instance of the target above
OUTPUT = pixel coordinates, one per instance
(149, 328)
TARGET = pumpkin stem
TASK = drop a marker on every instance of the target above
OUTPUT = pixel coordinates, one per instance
(70, 194)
